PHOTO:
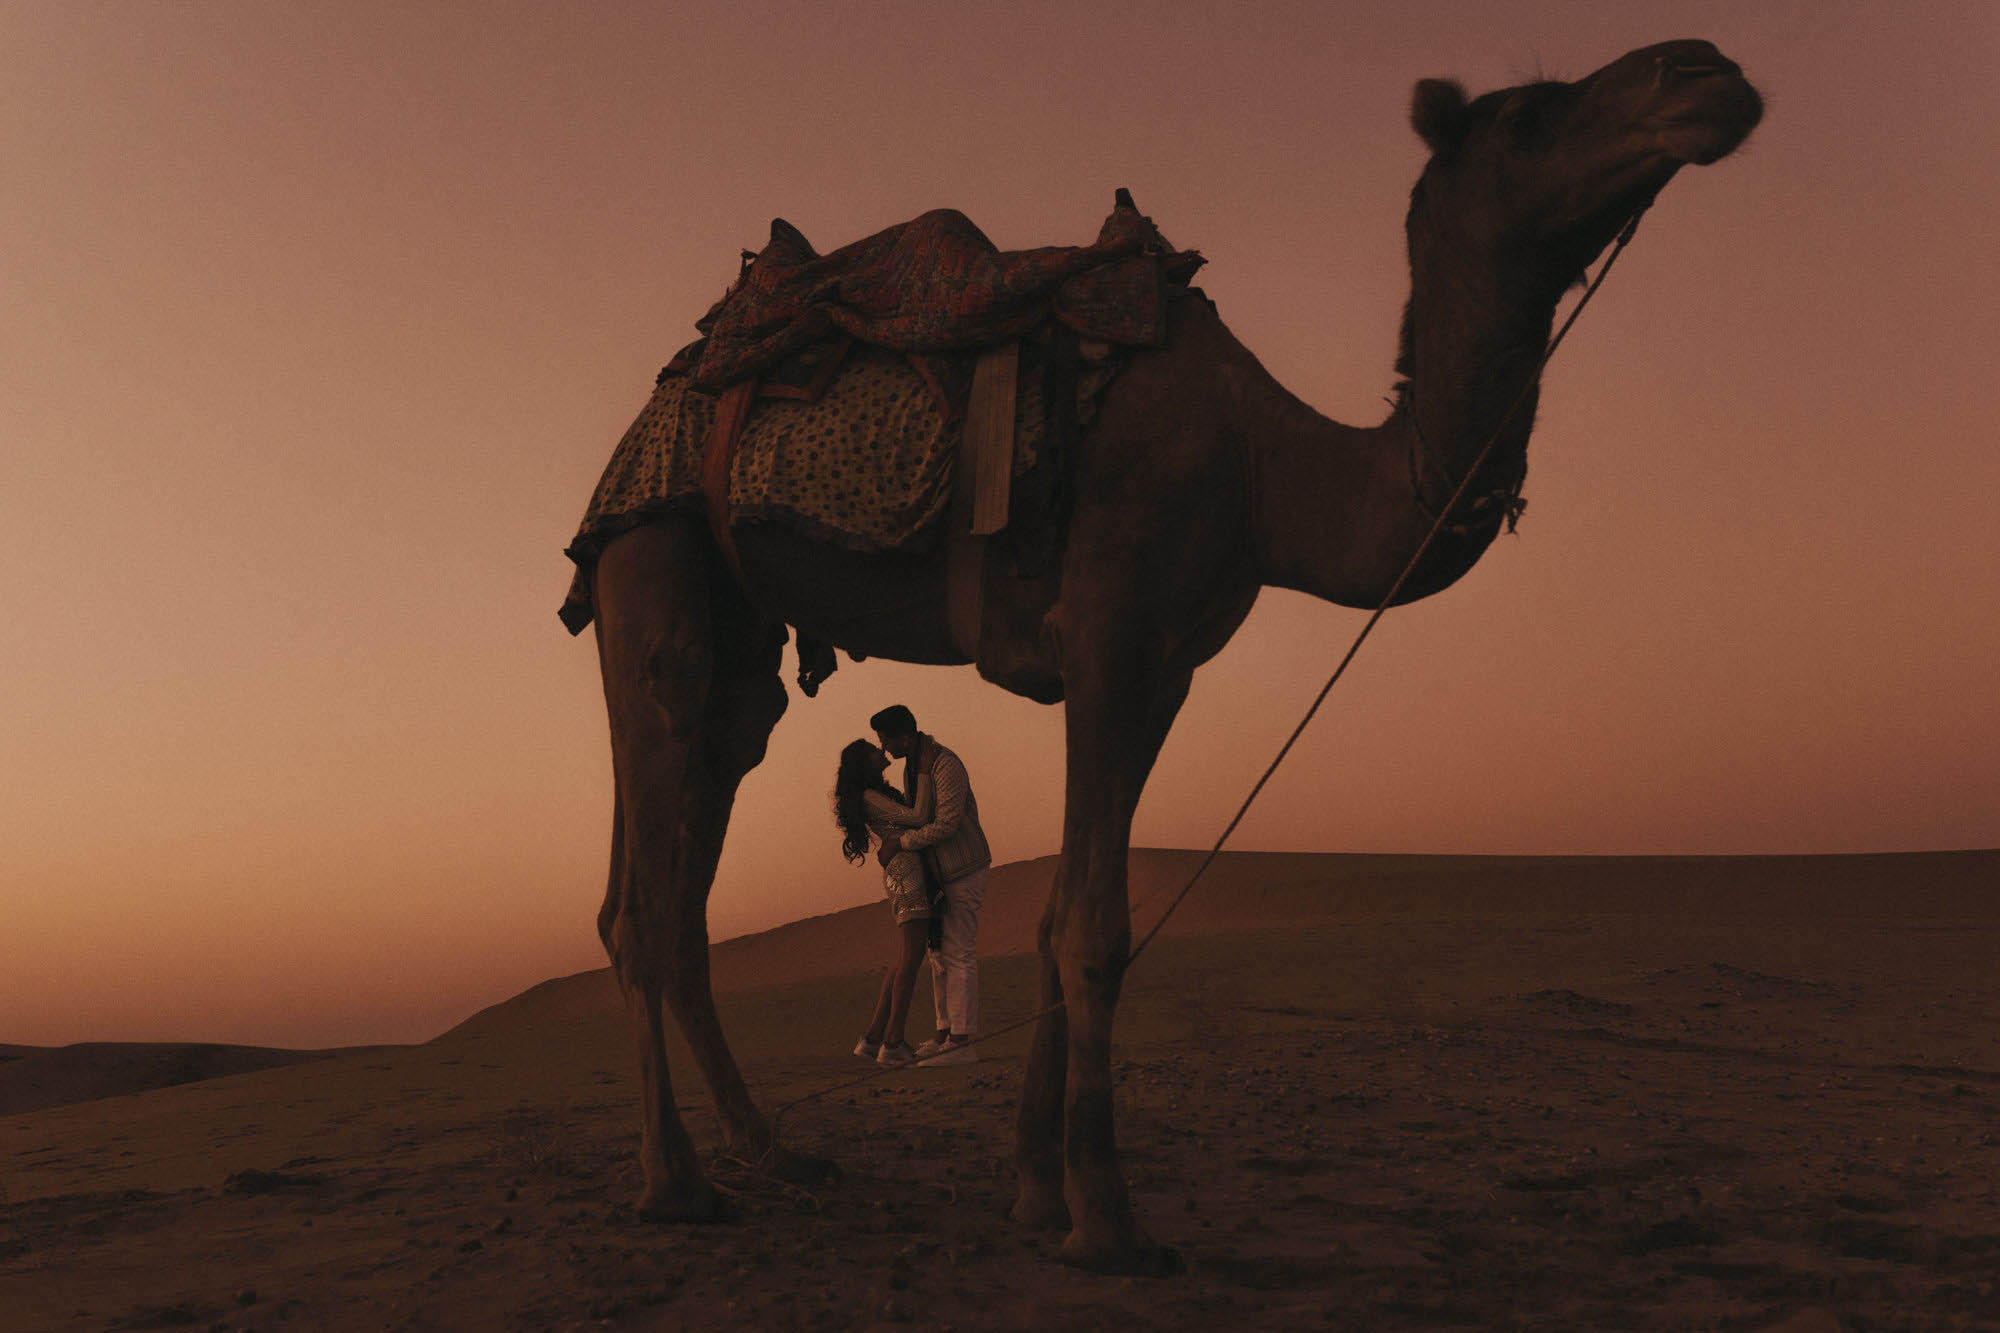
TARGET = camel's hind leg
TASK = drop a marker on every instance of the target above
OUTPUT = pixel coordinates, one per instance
(745, 700)
(691, 687)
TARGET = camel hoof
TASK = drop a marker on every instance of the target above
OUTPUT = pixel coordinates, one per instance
(797, 1168)
(1135, 1258)
(1040, 1208)
(699, 1203)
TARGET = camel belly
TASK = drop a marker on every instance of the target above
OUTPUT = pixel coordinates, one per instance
(892, 605)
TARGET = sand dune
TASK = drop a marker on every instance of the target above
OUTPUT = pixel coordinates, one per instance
(34, 1078)
(1246, 890)
(1379, 1092)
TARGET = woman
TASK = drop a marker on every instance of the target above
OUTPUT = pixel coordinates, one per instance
(865, 807)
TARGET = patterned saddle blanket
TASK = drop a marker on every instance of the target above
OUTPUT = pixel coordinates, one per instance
(853, 437)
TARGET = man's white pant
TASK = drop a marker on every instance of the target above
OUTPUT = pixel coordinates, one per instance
(955, 962)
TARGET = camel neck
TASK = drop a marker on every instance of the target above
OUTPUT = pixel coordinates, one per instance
(1471, 360)
(1469, 352)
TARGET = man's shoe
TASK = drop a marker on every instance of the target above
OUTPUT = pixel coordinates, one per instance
(895, 1053)
(931, 1046)
(954, 1053)
(867, 1049)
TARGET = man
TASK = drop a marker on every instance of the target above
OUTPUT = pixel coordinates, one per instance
(956, 854)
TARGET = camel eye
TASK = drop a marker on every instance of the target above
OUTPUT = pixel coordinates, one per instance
(1523, 123)
(1529, 119)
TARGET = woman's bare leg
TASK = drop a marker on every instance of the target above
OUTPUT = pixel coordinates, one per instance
(916, 934)
(878, 1022)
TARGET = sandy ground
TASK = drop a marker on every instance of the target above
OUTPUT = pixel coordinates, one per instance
(1356, 1092)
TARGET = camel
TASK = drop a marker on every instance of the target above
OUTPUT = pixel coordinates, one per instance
(1200, 481)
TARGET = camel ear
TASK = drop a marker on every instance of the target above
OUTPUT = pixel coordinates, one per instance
(1438, 111)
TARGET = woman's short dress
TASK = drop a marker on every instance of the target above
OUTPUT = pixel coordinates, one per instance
(903, 877)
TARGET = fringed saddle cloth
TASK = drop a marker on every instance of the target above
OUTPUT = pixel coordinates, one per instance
(857, 395)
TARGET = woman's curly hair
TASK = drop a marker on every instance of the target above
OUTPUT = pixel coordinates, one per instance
(859, 774)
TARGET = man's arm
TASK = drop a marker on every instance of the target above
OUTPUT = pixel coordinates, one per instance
(892, 811)
(952, 785)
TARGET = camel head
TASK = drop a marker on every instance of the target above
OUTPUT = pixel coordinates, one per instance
(1538, 179)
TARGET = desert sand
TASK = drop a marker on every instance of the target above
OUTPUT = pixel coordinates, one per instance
(1356, 1092)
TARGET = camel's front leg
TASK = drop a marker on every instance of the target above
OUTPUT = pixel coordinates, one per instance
(1038, 1136)
(1120, 706)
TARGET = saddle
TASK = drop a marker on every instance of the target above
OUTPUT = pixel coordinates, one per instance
(937, 285)
(862, 395)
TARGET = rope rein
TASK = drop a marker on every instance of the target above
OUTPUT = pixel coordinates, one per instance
(1423, 548)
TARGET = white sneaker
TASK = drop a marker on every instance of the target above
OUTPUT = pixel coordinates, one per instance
(895, 1053)
(954, 1053)
(930, 1046)
(867, 1049)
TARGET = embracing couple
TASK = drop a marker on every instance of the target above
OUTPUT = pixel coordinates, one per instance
(934, 862)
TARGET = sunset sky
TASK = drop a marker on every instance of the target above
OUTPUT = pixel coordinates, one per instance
(319, 321)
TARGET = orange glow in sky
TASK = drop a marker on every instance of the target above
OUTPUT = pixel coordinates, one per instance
(320, 322)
